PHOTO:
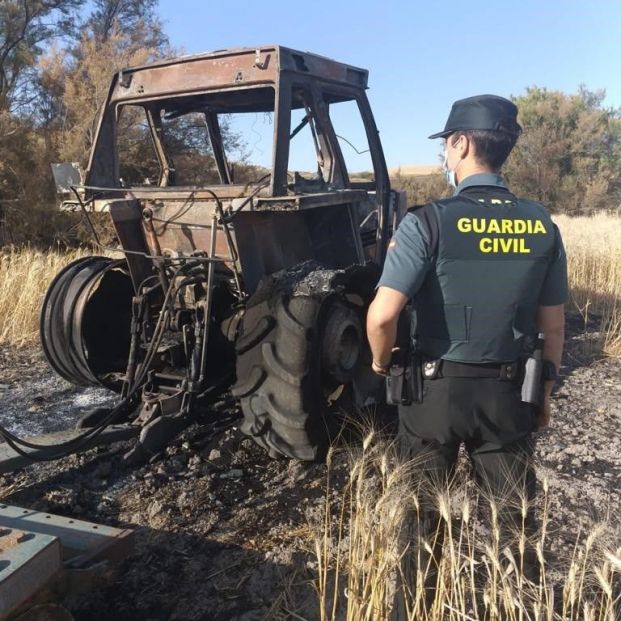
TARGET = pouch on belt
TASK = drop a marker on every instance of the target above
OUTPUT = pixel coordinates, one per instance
(404, 380)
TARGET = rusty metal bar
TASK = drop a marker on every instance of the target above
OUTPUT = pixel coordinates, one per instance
(208, 299)
(282, 129)
(80, 540)
(215, 138)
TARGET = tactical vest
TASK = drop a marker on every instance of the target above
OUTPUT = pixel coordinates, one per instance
(480, 297)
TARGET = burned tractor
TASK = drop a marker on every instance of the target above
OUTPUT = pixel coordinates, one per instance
(253, 279)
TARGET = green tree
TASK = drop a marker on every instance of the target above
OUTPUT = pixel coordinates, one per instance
(52, 99)
(127, 17)
(26, 26)
(569, 155)
(74, 81)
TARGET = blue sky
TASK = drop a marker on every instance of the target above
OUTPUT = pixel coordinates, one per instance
(423, 55)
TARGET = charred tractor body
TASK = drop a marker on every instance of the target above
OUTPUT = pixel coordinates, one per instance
(249, 278)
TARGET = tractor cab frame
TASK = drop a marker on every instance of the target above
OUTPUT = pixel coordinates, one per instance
(219, 254)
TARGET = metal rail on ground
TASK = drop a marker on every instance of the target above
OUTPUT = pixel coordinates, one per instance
(44, 557)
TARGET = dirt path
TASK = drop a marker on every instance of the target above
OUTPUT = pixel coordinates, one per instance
(222, 530)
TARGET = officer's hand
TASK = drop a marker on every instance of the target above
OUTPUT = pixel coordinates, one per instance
(542, 414)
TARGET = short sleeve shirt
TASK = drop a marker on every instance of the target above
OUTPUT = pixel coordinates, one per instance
(408, 258)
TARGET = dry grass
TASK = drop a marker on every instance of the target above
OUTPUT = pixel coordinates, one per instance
(366, 564)
(25, 275)
(593, 246)
(593, 249)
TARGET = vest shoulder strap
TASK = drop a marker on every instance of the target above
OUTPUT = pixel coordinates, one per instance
(428, 217)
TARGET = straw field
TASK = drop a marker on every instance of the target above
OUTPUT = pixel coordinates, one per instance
(593, 247)
(25, 275)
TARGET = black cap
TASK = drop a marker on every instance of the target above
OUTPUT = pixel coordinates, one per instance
(482, 112)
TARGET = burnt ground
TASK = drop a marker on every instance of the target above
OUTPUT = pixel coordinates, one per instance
(222, 530)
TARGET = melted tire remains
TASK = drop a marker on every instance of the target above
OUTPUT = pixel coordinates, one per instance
(85, 321)
(282, 389)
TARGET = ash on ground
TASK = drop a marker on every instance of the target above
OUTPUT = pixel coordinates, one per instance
(223, 530)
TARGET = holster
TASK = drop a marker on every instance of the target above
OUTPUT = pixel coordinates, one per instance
(404, 380)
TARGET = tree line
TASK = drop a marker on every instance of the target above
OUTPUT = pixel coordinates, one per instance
(568, 156)
(56, 60)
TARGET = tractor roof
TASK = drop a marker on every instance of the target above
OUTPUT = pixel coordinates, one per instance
(229, 70)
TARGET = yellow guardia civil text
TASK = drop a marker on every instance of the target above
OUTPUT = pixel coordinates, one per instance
(502, 226)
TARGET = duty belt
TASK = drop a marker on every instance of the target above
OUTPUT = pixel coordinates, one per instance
(504, 371)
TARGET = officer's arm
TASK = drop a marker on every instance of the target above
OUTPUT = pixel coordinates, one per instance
(551, 321)
(382, 320)
(407, 262)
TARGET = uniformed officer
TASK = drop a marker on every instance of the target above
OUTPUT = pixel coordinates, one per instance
(484, 271)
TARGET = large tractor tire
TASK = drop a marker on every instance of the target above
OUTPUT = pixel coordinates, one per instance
(85, 322)
(295, 353)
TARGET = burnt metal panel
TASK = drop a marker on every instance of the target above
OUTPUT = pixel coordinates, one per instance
(308, 201)
(102, 169)
(182, 228)
(268, 242)
(127, 220)
(230, 67)
(190, 193)
(275, 240)
(322, 67)
(335, 242)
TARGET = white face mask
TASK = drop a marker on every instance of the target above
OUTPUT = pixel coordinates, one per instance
(449, 175)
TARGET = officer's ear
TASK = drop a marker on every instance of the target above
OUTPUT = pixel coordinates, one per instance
(462, 144)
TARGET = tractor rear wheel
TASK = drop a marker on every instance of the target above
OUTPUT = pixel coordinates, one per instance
(294, 354)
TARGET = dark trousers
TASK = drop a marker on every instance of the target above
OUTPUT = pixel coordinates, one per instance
(487, 416)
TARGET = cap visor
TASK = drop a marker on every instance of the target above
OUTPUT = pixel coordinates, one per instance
(441, 134)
